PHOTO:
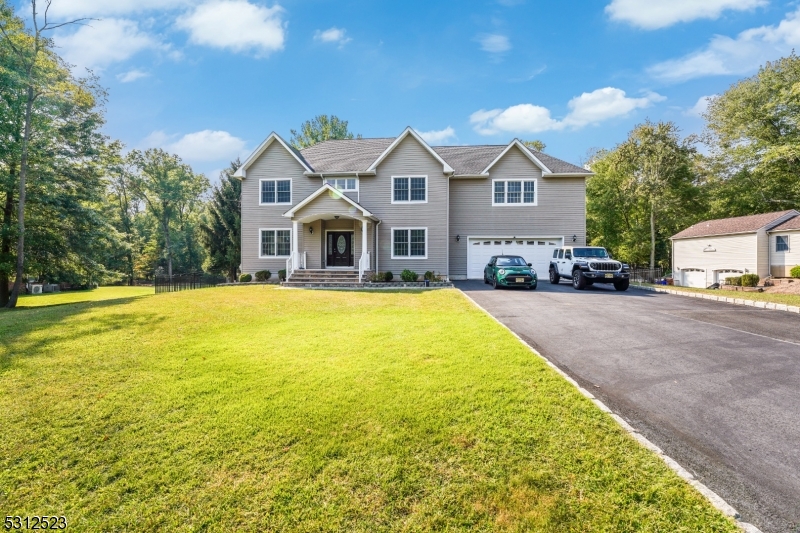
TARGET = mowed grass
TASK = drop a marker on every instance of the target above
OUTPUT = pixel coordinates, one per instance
(774, 297)
(71, 297)
(264, 409)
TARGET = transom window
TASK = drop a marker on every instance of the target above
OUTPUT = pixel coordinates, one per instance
(782, 243)
(276, 192)
(410, 189)
(409, 243)
(276, 243)
(514, 192)
(343, 184)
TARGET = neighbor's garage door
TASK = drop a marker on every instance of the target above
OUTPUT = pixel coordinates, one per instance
(694, 278)
(537, 251)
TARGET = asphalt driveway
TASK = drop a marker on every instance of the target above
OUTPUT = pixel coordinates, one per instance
(716, 386)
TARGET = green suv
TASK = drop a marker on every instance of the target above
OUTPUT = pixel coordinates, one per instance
(510, 271)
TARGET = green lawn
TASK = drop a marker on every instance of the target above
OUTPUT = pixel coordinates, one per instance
(71, 297)
(778, 298)
(266, 409)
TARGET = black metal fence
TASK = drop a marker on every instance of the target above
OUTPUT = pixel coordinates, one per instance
(186, 282)
(647, 275)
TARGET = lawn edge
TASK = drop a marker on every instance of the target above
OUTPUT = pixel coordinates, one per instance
(724, 299)
(715, 499)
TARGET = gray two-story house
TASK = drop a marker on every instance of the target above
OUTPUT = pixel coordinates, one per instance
(390, 204)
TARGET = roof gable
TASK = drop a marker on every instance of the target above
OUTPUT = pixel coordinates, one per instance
(326, 188)
(410, 131)
(791, 224)
(525, 151)
(241, 172)
(730, 226)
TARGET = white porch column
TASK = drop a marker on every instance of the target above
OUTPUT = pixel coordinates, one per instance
(295, 244)
(364, 249)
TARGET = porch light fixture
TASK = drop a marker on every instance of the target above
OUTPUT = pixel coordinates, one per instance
(458, 238)
(311, 230)
(336, 217)
(574, 238)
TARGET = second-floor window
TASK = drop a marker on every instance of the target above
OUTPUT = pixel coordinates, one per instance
(343, 184)
(409, 189)
(276, 192)
(514, 192)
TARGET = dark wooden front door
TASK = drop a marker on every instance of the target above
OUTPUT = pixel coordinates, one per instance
(340, 248)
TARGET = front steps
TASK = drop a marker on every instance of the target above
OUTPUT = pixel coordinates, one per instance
(324, 278)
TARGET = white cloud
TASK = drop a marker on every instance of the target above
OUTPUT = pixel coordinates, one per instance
(588, 108)
(650, 15)
(132, 75)
(494, 43)
(206, 145)
(438, 136)
(740, 55)
(332, 35)
(63, 9)
(106, 41)
(700, 107)
(236, 25)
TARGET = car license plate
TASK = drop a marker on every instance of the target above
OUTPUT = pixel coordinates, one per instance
(520, 280)
(609, 275)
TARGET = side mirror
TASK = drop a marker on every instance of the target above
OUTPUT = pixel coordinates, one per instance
(530, 264)
(488, 264)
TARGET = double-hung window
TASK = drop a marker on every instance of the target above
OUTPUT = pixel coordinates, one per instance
(409, 189)
(276, 243)
(409, 243)
(343, 184)
(514, 192)
(276, 192)
(782, 243)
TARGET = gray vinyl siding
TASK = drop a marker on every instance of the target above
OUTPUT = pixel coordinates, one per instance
(274, 163)
(409, 158)
(560, 209)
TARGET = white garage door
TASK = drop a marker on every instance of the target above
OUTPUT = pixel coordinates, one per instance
(694, 278)
(537, 251)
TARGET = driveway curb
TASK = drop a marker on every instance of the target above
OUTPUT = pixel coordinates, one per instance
(714, 498)
(723, 299)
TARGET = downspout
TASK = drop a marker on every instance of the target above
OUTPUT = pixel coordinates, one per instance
(769, 256)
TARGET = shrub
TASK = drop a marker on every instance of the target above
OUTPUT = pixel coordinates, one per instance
(375, 277)
(388, 276)
(750, 280)
(736, 280)
(795, 272)
(282, 274)
(408, 275)
(245, 278)
(263, 275)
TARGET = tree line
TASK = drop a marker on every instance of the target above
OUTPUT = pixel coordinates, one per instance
(656, 182)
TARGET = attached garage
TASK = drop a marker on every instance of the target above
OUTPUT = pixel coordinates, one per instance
(535, 250)
(693, 277)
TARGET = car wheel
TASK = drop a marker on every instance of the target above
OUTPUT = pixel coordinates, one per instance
(485, 279)
(533, 286)
(494, 282)
(622, 285)
(553, 276)
(578, 281)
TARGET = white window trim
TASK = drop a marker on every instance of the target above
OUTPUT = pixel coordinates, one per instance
(409, 243)
(521, 204)
(291, 236)
(410, 201)
(325, 180)
(291, 191)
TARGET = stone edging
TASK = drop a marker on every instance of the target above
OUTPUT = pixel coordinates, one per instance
(724, 299)
(714, 498)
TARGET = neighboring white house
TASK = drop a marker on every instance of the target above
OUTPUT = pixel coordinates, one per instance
(711, 251)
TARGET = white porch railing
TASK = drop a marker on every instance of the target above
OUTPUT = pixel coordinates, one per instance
(291, 264)
(363, 266)
(305, 260)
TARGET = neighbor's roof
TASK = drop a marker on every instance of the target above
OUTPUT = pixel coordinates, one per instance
(792, 223)
(356, 155)
(727, 226)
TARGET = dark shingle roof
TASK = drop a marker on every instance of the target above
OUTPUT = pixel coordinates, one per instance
(356, 155)
(726, 226)
(792, 223)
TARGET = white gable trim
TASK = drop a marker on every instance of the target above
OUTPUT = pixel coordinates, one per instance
(409, 131)
(525, 151)
(290, 213)
(241, 172)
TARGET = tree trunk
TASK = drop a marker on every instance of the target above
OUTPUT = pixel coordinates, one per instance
(5, 245)
(652, 236)
(23, 174)
(169, 251)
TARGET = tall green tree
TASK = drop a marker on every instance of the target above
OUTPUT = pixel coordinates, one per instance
(754, 131)
(222, 229)
(535, 144)
(171, 191)
(320, 128)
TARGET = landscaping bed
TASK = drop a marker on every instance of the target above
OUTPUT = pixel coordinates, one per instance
(228, 409)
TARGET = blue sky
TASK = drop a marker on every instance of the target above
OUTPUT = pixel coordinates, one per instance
(210, 79)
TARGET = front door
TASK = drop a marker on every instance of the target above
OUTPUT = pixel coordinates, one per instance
(340, 249)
